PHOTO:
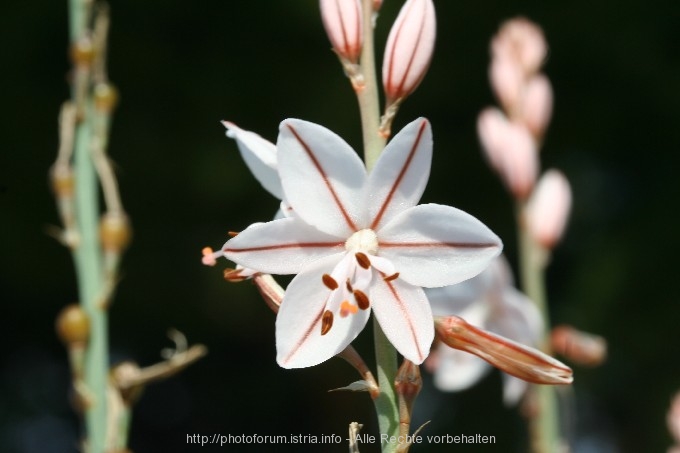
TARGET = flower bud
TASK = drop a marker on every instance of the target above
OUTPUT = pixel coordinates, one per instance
(115, 232)
(514, 358)
(511, 151)
(536, 107)
(105, 97)
(521, 41)
(343, 23)
(409, 49)
(73, 325)
(673, 419)
(579, 347)
(548, 208)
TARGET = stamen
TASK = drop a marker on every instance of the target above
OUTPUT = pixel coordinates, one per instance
(362, 299)
(233, 233)
(363, 260)
(349, 286)
(392, 277)
(326, 322)
(329, 282)
(347, 309)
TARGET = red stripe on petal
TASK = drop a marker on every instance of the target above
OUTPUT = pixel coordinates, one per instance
(402, 308)
(321, 171)
(461, 245)
(306, 335)
(400, 177)
(284, 246)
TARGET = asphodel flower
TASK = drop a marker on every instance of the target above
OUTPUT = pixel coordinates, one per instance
(359, 243)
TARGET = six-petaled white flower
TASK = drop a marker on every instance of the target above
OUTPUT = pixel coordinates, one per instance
(358, 242)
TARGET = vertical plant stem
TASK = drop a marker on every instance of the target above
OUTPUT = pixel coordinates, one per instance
(386, 403)
(87, 253)
(385, 354)
(544, 429)
(368, 96)
(89, 272)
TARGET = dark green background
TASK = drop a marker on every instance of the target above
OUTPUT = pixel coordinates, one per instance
(183, 66)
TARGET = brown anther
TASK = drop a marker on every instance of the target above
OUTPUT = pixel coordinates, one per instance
(232, 233)
(349, 286)
(362, 299)
(394, 276)
(329, 282)
(363, 260)
(326, 322)
(233, 275)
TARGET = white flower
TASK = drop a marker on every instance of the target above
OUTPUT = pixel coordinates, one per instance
(490, 302)
(359, 242)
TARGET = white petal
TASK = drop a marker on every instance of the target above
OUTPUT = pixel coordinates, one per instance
(459, 299)
(400, 175)
(405, 316)
(299, 342)
(517, 318)
(283, 246)
(434, 245)
(260, 157)
(458, 370)
(322, 177)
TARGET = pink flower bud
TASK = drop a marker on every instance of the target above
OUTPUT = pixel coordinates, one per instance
(537, 103)
(579, 347)
(521, 41)
(409, 49)
(511, 151)
(673, 419)
(548, 208)
(343, 23)
(514, 358)
(507, 80)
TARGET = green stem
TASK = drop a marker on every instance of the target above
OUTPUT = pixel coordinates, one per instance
(90, 283)
(386, 403)
(368, 96)
(544, 427)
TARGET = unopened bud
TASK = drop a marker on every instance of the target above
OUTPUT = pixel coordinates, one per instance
(342, 20)
(105, 97)
(537, 103)
(521, 41)
(73, 325)
(82, 51)
(579, 347)
(511, 151)
(408, 382)
(673, 419)
(548, 208)
(514, 358)
(63, 180)
(409, 49)
(115, 232)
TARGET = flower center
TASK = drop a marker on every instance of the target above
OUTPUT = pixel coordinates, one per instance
(365, 241)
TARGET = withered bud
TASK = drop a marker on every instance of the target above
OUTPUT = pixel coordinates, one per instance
(63, 180)
(73, 325)
(115, 232)
(105, 97)
(408, 382)
(83, 51)
(514, 358)
(579, 347)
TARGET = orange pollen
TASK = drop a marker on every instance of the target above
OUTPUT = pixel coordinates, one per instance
(347, 309)
(329, 282)
(233, 233)
(362, 299)
(363, 260)
(207, 251)
(394, 276)
(326, 322)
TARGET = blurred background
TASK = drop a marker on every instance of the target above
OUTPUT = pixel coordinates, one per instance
(181, 67)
